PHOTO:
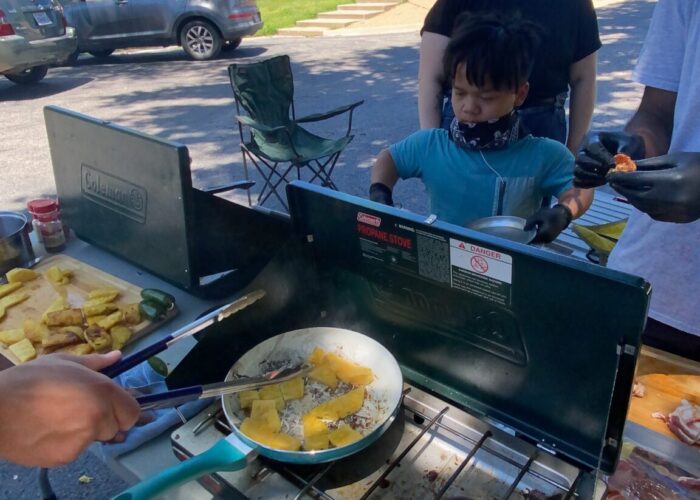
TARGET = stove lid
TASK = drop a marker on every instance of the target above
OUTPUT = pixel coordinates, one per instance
(542, 345)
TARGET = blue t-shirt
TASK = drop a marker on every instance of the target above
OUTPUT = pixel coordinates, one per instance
(462, 187)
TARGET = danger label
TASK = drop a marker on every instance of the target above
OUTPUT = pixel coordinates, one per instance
(480, 260)
(482, 272)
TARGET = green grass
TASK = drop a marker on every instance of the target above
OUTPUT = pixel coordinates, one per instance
(278, 14)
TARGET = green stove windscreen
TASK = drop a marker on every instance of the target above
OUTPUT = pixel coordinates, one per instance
(126, 192)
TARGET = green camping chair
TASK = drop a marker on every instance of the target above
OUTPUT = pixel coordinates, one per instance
(277, 145)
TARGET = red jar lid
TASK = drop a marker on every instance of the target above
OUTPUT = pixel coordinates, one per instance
(42, 206)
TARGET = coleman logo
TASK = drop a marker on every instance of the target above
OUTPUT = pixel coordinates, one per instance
(372, 220)
(113, 193)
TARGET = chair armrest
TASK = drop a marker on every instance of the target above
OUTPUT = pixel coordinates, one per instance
(230, 187)
(329, 114)
(249, 122)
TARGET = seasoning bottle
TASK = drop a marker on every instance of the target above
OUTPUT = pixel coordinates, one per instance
(47, 223)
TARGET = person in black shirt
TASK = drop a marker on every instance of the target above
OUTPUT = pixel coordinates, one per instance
(566, 59)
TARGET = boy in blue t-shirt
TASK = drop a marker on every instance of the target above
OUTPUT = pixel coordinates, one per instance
(487, 164)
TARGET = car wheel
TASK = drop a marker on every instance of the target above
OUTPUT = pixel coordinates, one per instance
(29, 75)
(101, 53)
(72, 58)
(232, 45)
(200, 40)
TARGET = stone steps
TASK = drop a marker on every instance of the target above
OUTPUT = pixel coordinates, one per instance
(345, 15)
(354, 15)
(369, 5)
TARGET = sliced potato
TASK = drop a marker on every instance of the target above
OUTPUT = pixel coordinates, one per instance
(20, 275)
(8, 288)
(317, 355)
(93, 320)
(59, 304)
(132, 315)
(66, 317)
(9, 337)
(109, 291)
(344, 435)
(60, 339)
(98, 338)
(325, 375)
(24, 350)
(265, 411)
(58, 276)
(246, 398)
(78, 330)
(292, 389)
(34, 330)
(316, 433)
(79, 349)
(100, 309)
(111, 320)
(120, 336)
(11, 300)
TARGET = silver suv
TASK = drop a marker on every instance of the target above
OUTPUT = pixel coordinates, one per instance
(33, 35)
(202, 27)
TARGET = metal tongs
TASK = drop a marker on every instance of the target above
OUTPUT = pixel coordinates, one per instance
(179, 396)
(187, 331)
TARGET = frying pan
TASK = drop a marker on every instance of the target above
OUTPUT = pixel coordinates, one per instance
(505, 226)
(382, 402)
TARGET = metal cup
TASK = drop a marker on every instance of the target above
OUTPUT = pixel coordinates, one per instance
(15, 245)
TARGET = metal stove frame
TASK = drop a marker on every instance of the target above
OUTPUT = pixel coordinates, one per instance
(436, 419)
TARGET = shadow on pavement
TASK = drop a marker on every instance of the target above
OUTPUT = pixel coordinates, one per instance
(49, 86)
(170, 55)
(623, 28)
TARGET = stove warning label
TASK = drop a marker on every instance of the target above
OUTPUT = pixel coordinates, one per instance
(483, 272)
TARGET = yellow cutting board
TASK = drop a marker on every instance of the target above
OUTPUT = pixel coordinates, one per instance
(84, 278)
(663, 394)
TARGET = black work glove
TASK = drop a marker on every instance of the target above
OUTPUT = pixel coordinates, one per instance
(549, 221)
(666, 187)
(596, 157)
(381, 194)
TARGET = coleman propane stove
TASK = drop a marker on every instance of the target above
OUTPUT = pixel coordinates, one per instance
(517, 363)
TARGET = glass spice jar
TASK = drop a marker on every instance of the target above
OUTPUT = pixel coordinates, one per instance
(47, 223)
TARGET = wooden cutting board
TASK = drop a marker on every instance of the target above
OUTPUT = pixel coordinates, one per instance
(84, 278)
(663, 394)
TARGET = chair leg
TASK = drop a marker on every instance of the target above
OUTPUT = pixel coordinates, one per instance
(271, 185)
(244, 152)
(274, 185)
(325, 175)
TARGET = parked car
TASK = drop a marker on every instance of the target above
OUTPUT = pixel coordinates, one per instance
(33, 35)
(201, 27)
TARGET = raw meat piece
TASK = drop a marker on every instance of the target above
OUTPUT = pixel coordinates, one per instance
(642, 475)
(638, 390)
(684, 422)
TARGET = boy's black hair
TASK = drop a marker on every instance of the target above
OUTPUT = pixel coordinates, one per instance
(493, 46)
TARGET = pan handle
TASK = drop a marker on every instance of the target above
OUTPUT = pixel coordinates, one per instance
(228, 454)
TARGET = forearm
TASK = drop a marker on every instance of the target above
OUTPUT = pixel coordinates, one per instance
(653, 121)
(577, 200)
(384, 170)
(430, 98)
(431, 79)
(582, 101)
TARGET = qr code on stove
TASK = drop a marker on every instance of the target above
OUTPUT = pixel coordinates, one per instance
(433, 258)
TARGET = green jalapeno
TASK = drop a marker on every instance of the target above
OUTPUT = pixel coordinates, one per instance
(155, 296)
(151, 310)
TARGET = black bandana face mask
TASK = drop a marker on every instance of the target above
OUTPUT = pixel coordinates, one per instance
(494, 134)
